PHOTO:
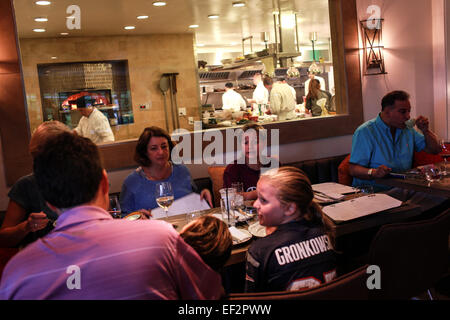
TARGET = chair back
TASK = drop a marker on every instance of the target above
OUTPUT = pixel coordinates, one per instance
(411, 256)
(351, 286)
(344, 172)
(216, 174)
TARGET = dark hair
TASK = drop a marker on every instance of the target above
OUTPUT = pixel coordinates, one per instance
(68, 170)
(229, 85)
(211, 239)
(140, 155)
(281, 78)
(390, 98)
(267, 81)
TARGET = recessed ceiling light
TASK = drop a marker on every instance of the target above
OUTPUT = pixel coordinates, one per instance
(213, 16)
(64, 33)
(39, 30)
(41, 19)
(193, 26)
(54, 58)
(129, 27)
(233, 44)
(43, 3)
(142, 17)
(159, 3)
(200, 45)
(239, 4)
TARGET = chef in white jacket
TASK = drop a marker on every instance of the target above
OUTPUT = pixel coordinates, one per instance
(93, 123)
(260, 94)
(231, 100)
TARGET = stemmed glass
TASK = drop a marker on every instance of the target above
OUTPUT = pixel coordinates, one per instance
(164, 196)
(114, 207)
(445, 153)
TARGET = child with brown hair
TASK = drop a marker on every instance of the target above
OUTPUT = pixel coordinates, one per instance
(211, 239)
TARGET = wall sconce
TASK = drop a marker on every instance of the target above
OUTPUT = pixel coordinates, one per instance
(373, 46)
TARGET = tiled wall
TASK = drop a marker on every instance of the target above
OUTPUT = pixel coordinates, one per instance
(148, 58)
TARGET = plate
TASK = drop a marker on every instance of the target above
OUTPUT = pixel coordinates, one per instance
(257, 230)
(237, 241)
(133, 216)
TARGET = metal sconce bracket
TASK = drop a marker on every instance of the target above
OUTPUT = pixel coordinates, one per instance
(373, 46)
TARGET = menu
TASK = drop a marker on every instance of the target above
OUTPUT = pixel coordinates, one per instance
(360, 207)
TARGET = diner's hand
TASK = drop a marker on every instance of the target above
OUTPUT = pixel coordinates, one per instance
(205, 194)
(422, 123)
(145, 214)
(37, 221)
(381, 171)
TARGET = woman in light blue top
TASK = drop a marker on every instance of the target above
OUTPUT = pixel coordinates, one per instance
(153, 155)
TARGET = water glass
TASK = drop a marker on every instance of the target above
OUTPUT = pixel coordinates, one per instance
(445, 154)
(191, 216)
(432, 174)
(228, 213)
(366, 189)
(239, 186)
(114, 207)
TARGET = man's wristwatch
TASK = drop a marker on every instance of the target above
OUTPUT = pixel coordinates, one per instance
(370, 172)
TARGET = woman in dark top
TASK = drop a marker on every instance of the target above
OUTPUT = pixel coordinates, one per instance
(296, 253)
(27, 216)
(317, 100)
(248, 169)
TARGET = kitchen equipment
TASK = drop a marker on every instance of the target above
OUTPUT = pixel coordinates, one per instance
(164, 86)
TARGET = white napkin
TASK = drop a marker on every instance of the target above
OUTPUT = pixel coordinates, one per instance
(236, 233)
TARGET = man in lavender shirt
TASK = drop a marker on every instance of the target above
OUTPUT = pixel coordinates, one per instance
(90, 255)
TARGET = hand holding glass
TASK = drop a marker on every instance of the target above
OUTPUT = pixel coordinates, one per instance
(164, 196)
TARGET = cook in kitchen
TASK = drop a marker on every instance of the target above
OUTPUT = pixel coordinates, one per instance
(93, 123)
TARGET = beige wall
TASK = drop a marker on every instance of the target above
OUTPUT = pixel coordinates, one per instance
(148, 58)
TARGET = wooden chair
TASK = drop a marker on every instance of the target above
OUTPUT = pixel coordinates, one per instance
(412, 256)
(351, 286)
(216, 175)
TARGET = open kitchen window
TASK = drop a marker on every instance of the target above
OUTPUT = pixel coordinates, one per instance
(163, 45)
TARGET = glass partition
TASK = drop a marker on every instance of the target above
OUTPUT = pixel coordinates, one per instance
(143, 65)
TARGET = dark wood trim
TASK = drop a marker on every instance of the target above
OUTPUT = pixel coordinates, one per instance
(344, 27)
(14, 128)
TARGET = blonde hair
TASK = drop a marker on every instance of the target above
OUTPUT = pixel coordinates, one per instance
(42, 133)
(293, 186)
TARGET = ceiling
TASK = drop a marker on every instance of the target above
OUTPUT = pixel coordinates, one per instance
(109, 17)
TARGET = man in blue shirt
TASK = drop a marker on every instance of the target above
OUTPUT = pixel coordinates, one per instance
(385, 144)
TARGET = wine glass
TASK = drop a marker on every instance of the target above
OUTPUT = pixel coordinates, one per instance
(164, 196)
(114, 207)
(445, 153)
(432, 174)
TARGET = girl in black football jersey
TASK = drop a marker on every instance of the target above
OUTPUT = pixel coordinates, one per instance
(296, 253)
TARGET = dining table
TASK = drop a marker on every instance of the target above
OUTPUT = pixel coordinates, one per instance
(414, 180)
(239, 251)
